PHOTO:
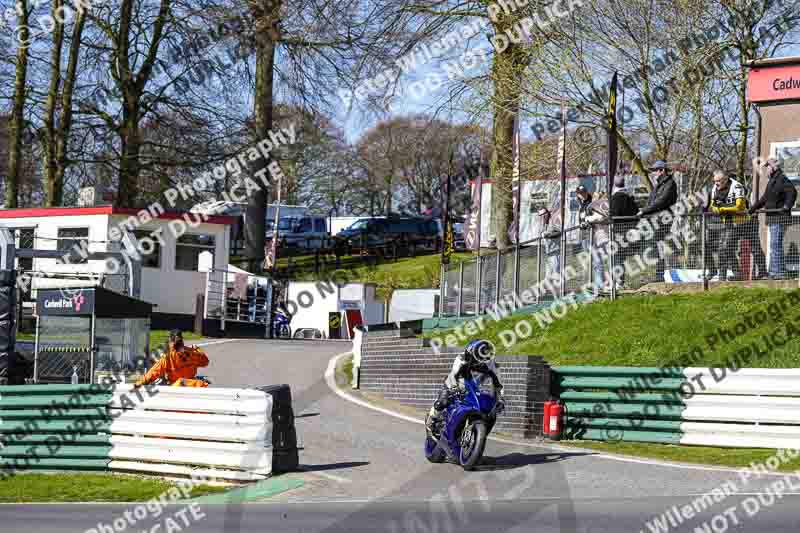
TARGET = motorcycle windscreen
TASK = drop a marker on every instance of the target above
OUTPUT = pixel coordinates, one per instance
(487, 394)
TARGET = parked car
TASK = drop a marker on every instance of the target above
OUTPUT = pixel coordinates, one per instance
(306, 232)
(378, 232)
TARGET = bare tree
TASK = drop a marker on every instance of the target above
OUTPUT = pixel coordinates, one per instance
(18, 108)
(56, 138)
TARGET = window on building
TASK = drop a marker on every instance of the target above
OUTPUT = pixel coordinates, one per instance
(74, 240)
(149, 247)
(24, 238)
(188, 249)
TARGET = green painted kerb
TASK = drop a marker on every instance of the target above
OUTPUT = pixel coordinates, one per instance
(257, 491)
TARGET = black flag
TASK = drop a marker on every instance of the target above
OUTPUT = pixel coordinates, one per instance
(611, 158)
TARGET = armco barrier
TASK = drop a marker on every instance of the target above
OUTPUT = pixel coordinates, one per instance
(756, 408)
(218, 433)
(53, 427)
(404, 368)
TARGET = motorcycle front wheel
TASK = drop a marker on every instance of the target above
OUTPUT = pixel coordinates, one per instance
(473, 441)
(432, 453)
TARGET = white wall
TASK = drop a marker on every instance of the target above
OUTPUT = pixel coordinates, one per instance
(175, 291)
(172, 291)
(46, 233)
(316, 315)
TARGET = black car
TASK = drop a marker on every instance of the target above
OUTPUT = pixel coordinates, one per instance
(383, 232)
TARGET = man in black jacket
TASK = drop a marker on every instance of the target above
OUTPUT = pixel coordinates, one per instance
(663, 196)
(778, 200)
(622, 205)
(584, 200)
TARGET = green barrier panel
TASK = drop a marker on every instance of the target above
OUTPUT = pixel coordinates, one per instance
(626, 409)
(624, 423)
(628, 436)
(611, 403)
(611, 398)
(58, 464)
(53, 426)
(26, 414)
(52, 390)
(41, 438)
(43, 401)
(632, 371)
(618, 383)
(55, 451)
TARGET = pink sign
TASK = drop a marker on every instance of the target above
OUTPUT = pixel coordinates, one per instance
(769, 84)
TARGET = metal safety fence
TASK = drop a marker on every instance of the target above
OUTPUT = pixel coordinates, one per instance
(232, 296)
(628, 254)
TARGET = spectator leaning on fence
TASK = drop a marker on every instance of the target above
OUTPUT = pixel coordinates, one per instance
(750, 234)
(778, 199)
(597, 216)
(663, 196)
(622, 205)
(584, 199)
(728, 201)
(551, 232)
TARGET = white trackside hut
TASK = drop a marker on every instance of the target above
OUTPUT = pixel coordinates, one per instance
(181, 246)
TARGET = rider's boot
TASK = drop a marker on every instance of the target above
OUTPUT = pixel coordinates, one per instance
(432, 421)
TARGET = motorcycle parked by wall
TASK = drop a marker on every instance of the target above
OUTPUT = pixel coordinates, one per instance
(465, 425)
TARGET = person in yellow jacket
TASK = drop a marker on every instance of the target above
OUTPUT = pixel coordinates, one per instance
(728, 200)
(178, 366)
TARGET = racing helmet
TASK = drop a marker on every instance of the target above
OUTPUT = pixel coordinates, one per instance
(479, 351)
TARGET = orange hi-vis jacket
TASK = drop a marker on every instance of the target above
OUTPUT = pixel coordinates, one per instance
(178, 368)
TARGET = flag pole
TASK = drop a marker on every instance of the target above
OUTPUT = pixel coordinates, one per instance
(562, 161)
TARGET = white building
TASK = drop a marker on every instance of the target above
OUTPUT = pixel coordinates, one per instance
(173, 272)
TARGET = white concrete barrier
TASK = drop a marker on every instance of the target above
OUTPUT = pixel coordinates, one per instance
(180, 430)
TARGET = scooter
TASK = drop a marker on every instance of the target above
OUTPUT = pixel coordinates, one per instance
(460, 435)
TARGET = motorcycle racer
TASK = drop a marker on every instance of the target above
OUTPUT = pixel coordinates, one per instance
(478, 356)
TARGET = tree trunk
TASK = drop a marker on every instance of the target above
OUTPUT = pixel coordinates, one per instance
(741, 157)
(129, 163)
(65, 125)
(17, 118)
(52, 189)
(505, 69)
(266, 16)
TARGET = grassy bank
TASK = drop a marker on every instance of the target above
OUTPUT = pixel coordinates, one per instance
(652, 330)
(731, 457)
(76, 487)
(405, 273)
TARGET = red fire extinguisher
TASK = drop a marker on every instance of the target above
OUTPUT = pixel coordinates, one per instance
(546, 418)
(553, 419)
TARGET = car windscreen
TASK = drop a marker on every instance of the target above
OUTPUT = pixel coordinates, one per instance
(359, 224)
(287, 223)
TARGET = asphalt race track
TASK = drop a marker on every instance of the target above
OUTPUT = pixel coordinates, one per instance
(365, 471)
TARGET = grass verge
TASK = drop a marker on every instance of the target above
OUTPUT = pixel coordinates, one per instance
(419, 272)
(79, 487)
(159, 337)
(731, 457)
(344, 372)
(650, 330)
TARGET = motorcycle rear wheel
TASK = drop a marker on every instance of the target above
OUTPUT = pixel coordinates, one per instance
(474, 436)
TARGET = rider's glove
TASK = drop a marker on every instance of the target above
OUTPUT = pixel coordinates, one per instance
(501, 407)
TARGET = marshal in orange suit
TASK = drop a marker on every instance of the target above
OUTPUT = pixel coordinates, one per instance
(179, 365)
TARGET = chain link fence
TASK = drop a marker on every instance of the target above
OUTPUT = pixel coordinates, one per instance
(628, 255)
